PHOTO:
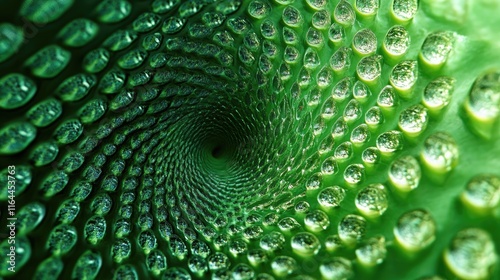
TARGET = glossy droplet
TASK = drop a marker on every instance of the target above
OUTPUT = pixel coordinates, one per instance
(413, 120)
(387, 98)
(96, 60)
(329, 166)
(145, 22)
(259, 9)
(111, 11)
(75, 87)
(343, 151)
(68, 132)
(360, 134)
(471, 254)
(283, 265)
(436, 48)
(354, 173)
(95, 229)
(367, 7)
(483, 102)
(437, 93)
(132, 59)
(16, 137)
(404, 10)
(370, 156)
(49, 61)
(29, 217)
(482, 191)
(22, 177)
(16, 90)
(341, 59)
(396, 41)
(311, 59)
(404, 75)
(305, 243)
(352, 228)
(316, 220)
(390, 141)
(336, 268)
(321, 19)
(87, 266)
(11, 38)
(61, 239)
(336, 33)
(272, 241)
(68, 211)
(120, 40)
(120, 250)
(352, 111)
(344, 13)
(342, 90)
(365, 42)
(405, 173)
(415, 230)
(373, 252)
(331, 196)
(292, 17)
(78, 32)
(372, 201)
(44, 153)
(317, 4)
(369, 68)
(360, 91)
(373, 116)
(440, 152)
(45, 112)
(43, 12)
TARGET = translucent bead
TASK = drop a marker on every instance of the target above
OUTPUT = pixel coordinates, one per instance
(415, 230)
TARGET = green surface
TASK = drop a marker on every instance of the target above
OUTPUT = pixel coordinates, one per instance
(261, 139)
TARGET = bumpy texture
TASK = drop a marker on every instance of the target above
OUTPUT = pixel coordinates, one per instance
(251, 139)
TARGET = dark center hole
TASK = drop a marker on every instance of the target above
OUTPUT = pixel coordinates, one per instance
(217, 151)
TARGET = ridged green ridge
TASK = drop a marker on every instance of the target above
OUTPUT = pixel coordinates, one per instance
(257, 139)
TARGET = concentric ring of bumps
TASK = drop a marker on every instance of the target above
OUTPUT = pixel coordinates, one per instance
(251, 139)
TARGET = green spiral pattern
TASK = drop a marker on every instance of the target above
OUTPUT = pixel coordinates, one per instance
(251, 139)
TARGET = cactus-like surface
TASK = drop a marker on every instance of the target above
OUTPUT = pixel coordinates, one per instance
(250, 139)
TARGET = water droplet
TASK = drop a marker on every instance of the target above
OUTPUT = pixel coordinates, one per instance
(342, 90)
(471, 254)
(354, 173)
(360, 134)
(321, 19)
(352, 228)
(218, 261)
(483, 103)
(292, 17)
(343, 151)
(283, 265)
(436, 48)
(440, 152)
(61, 239)
(372, 201)
(369, 68)
(405, 173)
(336, 33)
(370, 156)
(482, 191)
(404, 10)
(96, 60)
(373, 252)
(365, 42)
(316, 220)
(373, 116)
(331, 196)
(305, 243)
(16, 137)
(314, 37)
(111, 11)
(396, 41)
(45, 112)
(341, 59)
(49, 61)
(387, 97)
(360, 91)
(437, 93)
(311, 59)
(413, 120)
(390, 141)
(344, 13)
(367, 7)
(16, 90)
(259, 9)
(156, 262)
(404, 75)
(237, 247)
(329, 166)
(272, 241)
(336, 268)
(415, 230)
(78, 32)
(29, 217)
(288, 223)
(352, 111)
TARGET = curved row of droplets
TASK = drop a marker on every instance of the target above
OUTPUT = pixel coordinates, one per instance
(168, 199)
